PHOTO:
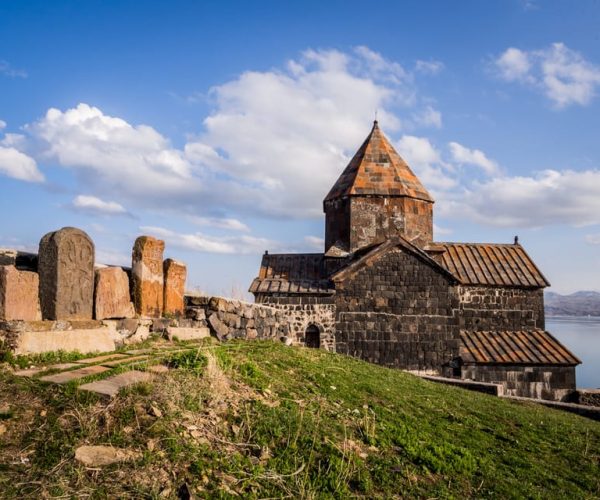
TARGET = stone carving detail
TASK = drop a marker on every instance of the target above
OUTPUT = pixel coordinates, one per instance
(111, 296)
(19, 295)
(147, 276)
(175, 274)
(66, 270)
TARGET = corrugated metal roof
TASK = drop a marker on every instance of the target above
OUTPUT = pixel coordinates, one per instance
(292, 273)
(488, 264)
(529, 347)
(377, 169)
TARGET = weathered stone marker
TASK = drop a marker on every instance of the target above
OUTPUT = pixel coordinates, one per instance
(111, 295)
(66, 270)
(19, 292)
(147, 276)
(174, 290)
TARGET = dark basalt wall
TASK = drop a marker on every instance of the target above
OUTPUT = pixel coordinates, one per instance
(497, 308)
(398, 311)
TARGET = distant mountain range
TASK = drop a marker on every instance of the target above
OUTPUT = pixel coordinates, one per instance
(576, 304)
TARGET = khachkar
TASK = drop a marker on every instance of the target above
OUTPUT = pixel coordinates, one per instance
(66, 271)
(175, 274)
(147, 276)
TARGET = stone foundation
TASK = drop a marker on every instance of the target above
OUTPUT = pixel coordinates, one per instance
(553, 383)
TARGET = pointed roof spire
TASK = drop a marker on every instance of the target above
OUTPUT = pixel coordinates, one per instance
(377, 169)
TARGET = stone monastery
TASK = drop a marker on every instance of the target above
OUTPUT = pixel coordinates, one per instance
(385, 292)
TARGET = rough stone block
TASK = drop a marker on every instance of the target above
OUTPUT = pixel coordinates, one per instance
(19, 295)
(187, 333)
(220, 328)
(147, 276)
(66, 271)
(175, 274)
(82, 340)
(111, 296)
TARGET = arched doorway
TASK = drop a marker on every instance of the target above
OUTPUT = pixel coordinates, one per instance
(312, 337)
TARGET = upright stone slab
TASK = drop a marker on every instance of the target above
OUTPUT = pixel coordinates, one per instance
(19, 295)
(147, 276)
(111, 295)
(66, 269)
(175, 275)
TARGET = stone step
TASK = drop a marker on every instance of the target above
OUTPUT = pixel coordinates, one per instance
(32, 372)
(65, 377)
(112, 385)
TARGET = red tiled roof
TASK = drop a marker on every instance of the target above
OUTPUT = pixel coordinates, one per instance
(292, 274)
(488, 264)
(530, 347)
(377, 169)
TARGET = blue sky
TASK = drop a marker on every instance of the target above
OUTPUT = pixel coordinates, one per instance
(220, 126)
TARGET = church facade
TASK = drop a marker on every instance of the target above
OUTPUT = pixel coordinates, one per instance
(385, 292)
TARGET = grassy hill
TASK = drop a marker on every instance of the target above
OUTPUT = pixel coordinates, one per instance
(258, 419)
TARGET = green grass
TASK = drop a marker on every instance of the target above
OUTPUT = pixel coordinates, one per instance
(258, 419)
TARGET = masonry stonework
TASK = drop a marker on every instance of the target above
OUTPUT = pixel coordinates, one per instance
(500, 308)
(398, 312)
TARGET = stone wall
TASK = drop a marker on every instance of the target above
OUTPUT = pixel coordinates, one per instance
(498, 308)
(398, 312)
(541, 381)
(303, 311)
(235, 319)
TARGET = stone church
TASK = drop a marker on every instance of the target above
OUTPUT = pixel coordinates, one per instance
(385, 292)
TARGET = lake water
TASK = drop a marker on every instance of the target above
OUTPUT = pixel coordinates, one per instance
(582, 337)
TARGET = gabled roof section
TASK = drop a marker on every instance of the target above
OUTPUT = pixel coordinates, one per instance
(528, 347)
(368, 254)
(377, 169)
(490, 264)
(301, 273)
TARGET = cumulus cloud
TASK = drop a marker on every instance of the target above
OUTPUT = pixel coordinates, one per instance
(562, 74)
(287, 134)
(314, 243)
(427, 163)
(476, 157)
(200, 242)
(110, 153)
(7, 70)
(548, 198)
(15, 164)
(96, 206)
(2, 124)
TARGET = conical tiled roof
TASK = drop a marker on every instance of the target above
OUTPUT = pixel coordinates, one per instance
(377, 169)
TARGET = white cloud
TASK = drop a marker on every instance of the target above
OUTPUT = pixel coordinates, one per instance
(210, 244)
(94, 205)
(285, 136)
(429, 67)
(551, 197)
(7, 70)
(426, 162)
(18, 165)
(463, 155)
(110, 153)
(220, 223)
(2, 124)
(562, 74)
(514, 65)
(593, 239)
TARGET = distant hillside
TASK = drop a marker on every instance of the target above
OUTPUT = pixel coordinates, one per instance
(576, 304)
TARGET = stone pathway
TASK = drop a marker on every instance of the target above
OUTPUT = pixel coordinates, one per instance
(149, 363)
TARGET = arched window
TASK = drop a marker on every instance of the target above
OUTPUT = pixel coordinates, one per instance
(312, 337)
